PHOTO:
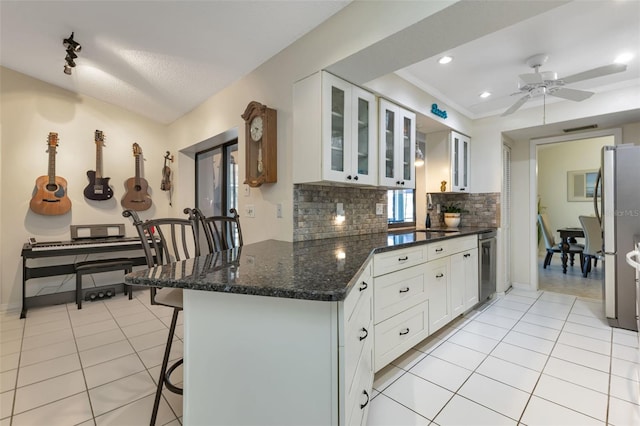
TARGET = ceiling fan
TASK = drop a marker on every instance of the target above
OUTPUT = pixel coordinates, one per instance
(542, 83)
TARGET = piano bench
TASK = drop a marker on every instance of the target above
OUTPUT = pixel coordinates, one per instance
(97, 266)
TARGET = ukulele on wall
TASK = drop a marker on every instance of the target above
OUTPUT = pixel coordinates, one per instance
(50, 194)
(98, 188)
(137, 196)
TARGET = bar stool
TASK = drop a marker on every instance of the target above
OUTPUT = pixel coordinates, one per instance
(166, 240)
(98, 266)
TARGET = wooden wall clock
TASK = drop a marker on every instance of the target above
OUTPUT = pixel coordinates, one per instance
(261, 144)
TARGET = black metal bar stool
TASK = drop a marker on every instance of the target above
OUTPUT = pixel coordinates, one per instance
(98, 266)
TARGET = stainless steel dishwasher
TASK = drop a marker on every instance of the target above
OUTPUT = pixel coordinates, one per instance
(487, 264)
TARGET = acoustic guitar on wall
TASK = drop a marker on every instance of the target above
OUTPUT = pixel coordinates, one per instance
(50, 194)
(137, 196)
(98, 188)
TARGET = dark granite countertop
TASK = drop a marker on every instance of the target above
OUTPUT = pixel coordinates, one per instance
(313, 270)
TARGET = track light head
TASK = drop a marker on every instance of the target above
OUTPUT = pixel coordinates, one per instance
(70, 43)
(67, 69)
(71, 54)
(70, 61)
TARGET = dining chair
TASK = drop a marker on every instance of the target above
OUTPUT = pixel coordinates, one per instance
(220, 232)
(165, 241)
(553, 247)
(593, 242)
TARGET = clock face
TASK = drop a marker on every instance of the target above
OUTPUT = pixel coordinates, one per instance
(256, 129)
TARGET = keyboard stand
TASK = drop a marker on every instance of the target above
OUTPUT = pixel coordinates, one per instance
(70, 248)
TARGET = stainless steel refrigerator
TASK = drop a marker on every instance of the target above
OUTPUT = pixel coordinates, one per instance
(619, 212)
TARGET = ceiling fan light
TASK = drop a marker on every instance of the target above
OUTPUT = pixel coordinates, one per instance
(445, 60)
(485, 95)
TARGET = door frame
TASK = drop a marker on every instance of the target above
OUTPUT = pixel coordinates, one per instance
(533, 187)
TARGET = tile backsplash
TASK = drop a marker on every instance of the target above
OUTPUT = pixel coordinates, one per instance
(483, 209)
(314, 211)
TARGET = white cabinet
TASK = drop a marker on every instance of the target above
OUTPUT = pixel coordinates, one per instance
(452, 284)
(439, 293)
(397, 146)
(290, 361)
(448, 159)
(464, 281)
(356, 336)
(334, 132)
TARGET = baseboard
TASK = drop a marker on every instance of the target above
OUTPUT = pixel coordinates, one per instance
(10, 308)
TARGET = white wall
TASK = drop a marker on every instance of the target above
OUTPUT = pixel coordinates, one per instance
(30, 110)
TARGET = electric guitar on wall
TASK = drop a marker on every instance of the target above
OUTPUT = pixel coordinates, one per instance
(98, 188)
(50, 194)
(137, 196)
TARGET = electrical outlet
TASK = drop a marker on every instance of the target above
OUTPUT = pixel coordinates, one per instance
(379, 209)
(250, 210)
(279, 210)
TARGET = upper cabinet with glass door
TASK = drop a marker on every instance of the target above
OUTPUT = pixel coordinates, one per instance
(397, 146)
(334, 132)
(448, 159)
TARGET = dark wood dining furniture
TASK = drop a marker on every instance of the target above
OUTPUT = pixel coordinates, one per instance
(568, 237)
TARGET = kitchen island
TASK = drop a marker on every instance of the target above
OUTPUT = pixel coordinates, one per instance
(276, 332)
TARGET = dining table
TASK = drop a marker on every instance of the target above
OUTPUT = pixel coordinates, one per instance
(568, 237)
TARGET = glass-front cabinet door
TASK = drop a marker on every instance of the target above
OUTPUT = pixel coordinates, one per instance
(397, 146)
(460, 145)
(348, 123)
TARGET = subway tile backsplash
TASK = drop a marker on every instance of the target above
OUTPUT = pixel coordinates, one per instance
(314, 211)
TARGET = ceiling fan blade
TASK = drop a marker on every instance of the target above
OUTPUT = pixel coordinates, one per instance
(570, 94)
(513, 108)
(596, 72)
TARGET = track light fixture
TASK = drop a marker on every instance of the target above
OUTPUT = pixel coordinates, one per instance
(72, 47)
(70, 43)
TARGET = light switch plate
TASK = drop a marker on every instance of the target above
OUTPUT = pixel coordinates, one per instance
(247, 190)
(279, 210)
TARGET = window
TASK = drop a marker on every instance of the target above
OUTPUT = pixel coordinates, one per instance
(217, 179)
(401, 208)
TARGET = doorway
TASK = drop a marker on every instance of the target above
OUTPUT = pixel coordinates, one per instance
(558, 162)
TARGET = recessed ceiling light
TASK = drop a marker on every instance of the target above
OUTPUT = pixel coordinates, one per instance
(624, 58)
(445, 60)
(485, 94)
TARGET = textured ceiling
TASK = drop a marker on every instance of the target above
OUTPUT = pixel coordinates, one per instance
(163, 58)
(158, 58)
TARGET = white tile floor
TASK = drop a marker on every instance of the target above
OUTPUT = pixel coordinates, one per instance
(528, 358)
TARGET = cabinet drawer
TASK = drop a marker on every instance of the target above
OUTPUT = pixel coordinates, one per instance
(396, 335)
(358, 394)
(444, 248)
(362, 289)
(395, 260)
(396, 292)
